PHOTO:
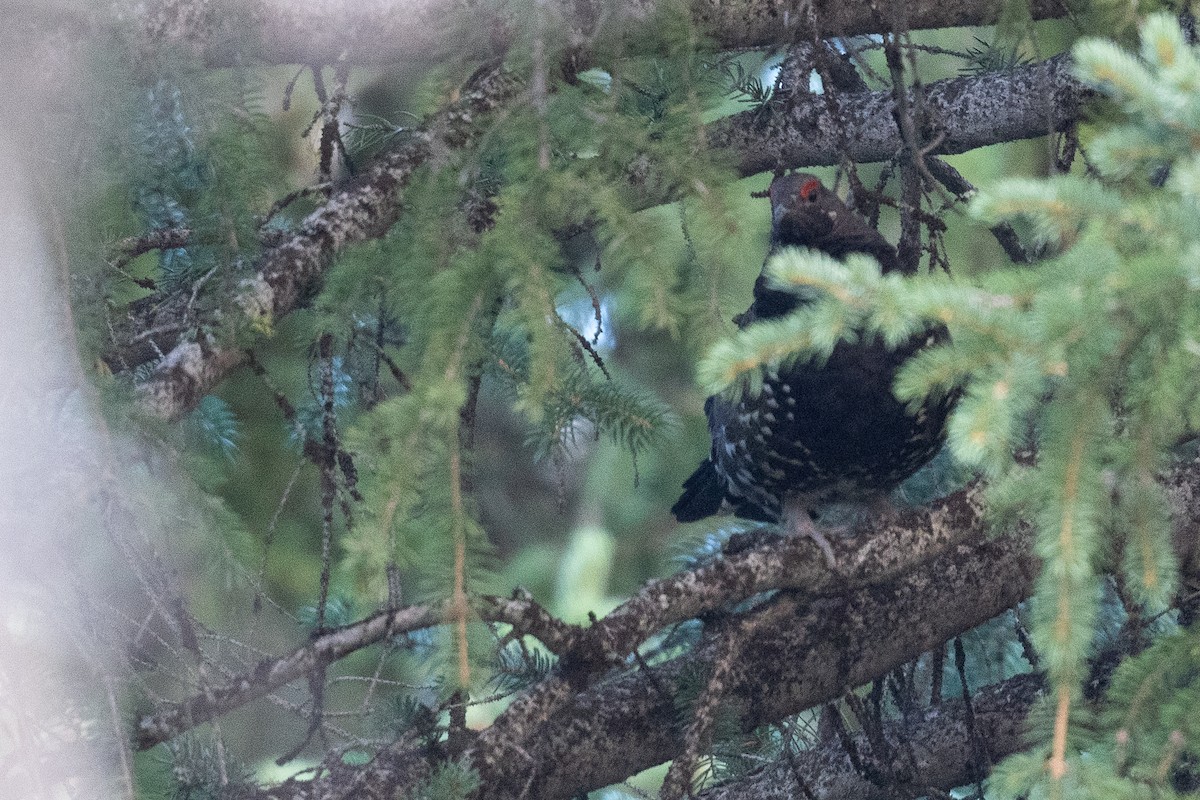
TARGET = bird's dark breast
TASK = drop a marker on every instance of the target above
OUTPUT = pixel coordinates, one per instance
(828, 433)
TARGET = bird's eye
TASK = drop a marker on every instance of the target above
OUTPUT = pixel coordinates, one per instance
(808, 190)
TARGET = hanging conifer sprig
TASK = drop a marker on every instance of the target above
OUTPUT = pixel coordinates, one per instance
(475, 297)
(1091, 359)
(630, 417)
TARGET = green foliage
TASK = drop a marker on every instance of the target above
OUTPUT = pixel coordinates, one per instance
(746, 85)
(1152, 706)
(448, 782)
(1088, 359)
(213, 424)
(406, 715)
(339, 611)
(210, 167)
(480, 301)
(986, 57)
(580, 393)
(520, 667)
(1157, 92)
(201, 771)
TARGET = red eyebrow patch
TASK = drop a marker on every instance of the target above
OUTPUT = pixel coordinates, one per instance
(808, 189)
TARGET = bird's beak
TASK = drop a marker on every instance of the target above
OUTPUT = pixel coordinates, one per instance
(778, 212)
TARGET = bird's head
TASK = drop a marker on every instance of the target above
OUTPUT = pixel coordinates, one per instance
(792, 193)
(804, 213)
(802, 209)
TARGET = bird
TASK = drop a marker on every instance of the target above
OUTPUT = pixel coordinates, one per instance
(819, 434)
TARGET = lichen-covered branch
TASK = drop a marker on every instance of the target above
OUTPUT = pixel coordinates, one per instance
(291, 271)
(888, 546)
(408, 31)
(961, 113)
(797, 650)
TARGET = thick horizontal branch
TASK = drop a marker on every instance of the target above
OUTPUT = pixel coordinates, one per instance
(801, 651)
(420, 31)
(888, 546)
(961, 114)
(896, 542)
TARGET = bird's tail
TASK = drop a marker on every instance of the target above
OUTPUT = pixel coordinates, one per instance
(703, 493)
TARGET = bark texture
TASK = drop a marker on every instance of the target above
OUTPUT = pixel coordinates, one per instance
(419, 31)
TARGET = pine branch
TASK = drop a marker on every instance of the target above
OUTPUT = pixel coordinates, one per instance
(962, 114)
(414, 31)
(520, 611)
(289, 273)
(799, 652)
(799, 649)
(270, 674)
(970, 112)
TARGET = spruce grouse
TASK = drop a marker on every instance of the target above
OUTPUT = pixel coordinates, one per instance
(818, 433)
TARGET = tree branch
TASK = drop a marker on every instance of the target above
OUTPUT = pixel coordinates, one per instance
(419, 31)
(968, 113)
(159, 239)
(521, 612)
(289, 273)
(270, 674)
(965, 113)
(797, 652)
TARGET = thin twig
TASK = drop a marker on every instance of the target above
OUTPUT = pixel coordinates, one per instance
(160, 239)
(954, 181)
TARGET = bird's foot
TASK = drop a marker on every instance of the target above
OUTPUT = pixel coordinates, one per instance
(802, 525)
